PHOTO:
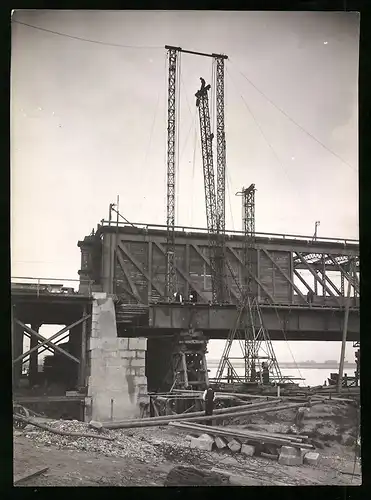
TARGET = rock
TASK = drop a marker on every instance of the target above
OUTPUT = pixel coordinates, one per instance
(202, 444)
(290, 456)
(17, 433)
(248, 450)
(311, 458)
(190, 476)
(96, 425)
(269, 455)
(220, 443)
(207, 437)
(234, 445)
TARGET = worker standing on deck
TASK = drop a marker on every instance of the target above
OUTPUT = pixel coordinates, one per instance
(209, 398)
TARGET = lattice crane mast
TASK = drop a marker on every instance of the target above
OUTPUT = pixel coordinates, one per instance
(212, 214)
(249, 329)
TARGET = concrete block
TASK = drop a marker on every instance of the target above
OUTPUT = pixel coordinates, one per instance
(127, 354)
(123, 343)
(248, 450)
(135, 362)
(96, 425)
(290, 456)
(110, 354)
(138, 344)
(201, 444)
(94, 343)
(207, 437)
(220, 443)
(234, 445)
(99, 295)
(110, 344)
(142, 388)
(140, 381)
(311, 458)
(139, 371)
(140, 354)
(130, 371)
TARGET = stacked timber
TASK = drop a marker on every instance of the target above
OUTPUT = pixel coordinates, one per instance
(243, 436)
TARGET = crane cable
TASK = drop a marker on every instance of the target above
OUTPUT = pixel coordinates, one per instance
(284, 334)
(293, 121)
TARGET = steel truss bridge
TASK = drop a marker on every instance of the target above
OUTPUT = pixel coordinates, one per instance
(301, 282)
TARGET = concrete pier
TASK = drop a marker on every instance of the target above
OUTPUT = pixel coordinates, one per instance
(117, 383)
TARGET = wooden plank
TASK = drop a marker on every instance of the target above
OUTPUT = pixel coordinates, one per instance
(36, 472)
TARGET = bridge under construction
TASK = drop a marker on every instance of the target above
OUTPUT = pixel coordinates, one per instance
(150, 297)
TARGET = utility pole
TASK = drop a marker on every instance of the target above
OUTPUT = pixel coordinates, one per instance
(345, 331)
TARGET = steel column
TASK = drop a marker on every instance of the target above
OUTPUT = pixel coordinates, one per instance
(33, 362)
(82, 367)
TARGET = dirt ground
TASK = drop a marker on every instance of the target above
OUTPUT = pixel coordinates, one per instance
(145, 456)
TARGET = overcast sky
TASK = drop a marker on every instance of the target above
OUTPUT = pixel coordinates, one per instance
(88, 123)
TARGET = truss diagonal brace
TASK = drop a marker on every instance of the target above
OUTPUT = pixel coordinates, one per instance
(317, 278)
(128, 278)
(254, 277)
(303, 281)
(285, 276)
(140, 269)
(46, 341)
(177, 269)
(353, 282)
(207, 262)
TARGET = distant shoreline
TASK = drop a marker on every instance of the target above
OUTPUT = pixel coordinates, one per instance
(302, 366)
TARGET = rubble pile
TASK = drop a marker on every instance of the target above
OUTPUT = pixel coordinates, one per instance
(123, 445)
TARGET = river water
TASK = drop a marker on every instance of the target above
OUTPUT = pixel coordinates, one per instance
(312, 376)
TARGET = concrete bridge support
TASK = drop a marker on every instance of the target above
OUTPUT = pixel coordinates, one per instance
(117, 384)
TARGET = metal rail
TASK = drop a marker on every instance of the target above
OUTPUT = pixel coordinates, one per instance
(281, 236)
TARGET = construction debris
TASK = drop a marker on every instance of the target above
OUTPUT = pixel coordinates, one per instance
(311, 458)
(241, 436)
(57, 431)
(290, 456)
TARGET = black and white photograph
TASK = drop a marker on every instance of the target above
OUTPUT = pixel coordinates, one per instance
(185, 272)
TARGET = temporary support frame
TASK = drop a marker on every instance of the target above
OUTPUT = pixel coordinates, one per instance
(52, 344)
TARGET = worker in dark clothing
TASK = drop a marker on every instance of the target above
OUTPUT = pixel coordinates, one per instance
(203, 83)
(265, 373)
(193, 296)
(310, 296)
(177, 297)
(209, 398)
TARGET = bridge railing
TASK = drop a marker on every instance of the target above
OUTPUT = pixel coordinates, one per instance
(188, 230)
(52, 285)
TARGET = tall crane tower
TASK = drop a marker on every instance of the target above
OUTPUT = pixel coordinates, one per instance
(214, 221)
(219, 203)
(249, 329)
